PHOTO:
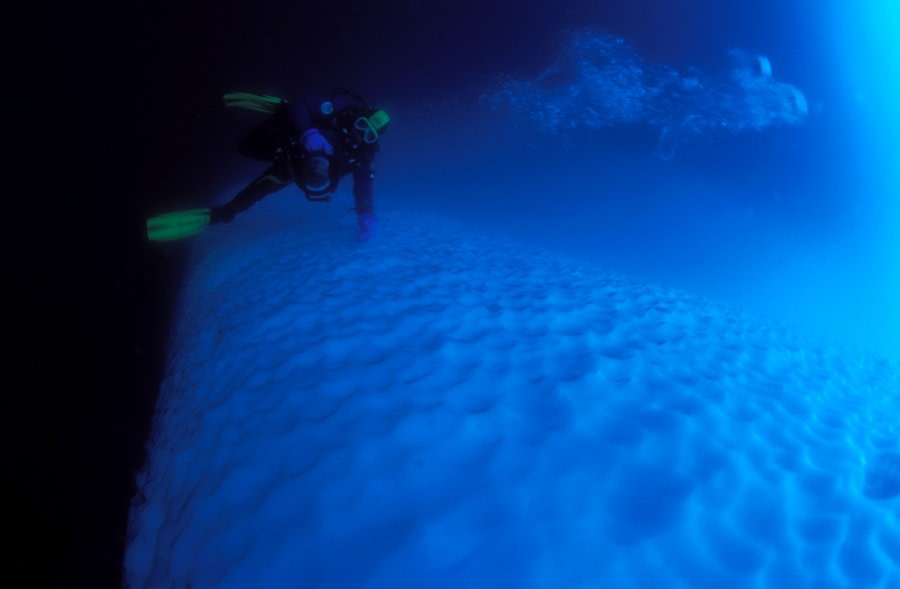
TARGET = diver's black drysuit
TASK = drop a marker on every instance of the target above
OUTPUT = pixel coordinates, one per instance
(278, 139)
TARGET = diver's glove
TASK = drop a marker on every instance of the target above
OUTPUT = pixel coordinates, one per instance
(314, 141)
(367, 225)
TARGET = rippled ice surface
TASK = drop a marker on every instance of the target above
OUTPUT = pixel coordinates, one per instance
(438, 408)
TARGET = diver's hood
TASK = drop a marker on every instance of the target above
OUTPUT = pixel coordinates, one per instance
(316, 174)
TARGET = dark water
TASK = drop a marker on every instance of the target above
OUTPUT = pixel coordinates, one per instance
(789, 220)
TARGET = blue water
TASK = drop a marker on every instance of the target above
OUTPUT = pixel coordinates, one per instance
(632, 318)
(624, 132)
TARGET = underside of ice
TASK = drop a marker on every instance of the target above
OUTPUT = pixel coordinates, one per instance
(437, 408)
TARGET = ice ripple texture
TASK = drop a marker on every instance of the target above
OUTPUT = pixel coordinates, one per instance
(441, 409)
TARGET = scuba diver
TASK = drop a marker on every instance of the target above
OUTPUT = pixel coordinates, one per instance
(312, 143)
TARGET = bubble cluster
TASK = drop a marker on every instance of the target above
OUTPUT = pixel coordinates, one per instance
(599, 81)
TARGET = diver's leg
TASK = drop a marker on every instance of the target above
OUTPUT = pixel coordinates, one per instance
(272, 180)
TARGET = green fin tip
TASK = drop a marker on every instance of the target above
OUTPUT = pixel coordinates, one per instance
(177, 225)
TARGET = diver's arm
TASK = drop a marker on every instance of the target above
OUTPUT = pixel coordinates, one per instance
(363, 191)
(364, 187)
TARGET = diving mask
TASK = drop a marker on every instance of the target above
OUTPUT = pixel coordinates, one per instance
(368, 128)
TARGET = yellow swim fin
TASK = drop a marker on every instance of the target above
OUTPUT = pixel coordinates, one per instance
(177, 225)
(258, 102)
